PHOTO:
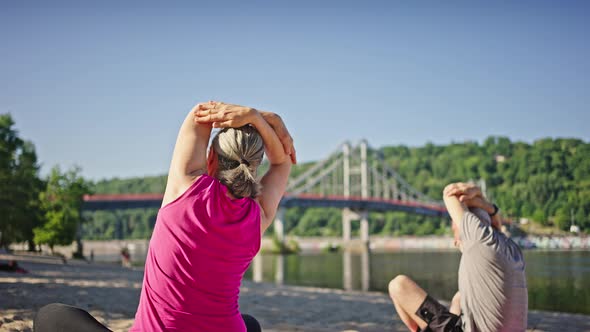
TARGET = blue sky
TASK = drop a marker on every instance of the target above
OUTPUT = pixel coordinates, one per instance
(106, 86)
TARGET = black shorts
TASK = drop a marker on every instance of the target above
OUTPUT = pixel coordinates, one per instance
(438, 317)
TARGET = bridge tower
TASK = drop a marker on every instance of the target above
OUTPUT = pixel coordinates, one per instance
(356, 179)
(348, 215)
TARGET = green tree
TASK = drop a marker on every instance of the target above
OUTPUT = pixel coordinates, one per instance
(542, 181)
(19, 186)
(62, 202)
(29, 186)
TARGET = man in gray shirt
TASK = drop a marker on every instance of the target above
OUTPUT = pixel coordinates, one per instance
(492, 284)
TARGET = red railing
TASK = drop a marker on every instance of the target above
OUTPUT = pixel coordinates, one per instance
(158, 197)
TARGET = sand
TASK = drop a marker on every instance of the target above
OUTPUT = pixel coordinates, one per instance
(111, 293)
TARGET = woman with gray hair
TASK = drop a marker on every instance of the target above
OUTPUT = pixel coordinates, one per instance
(213, 215)
(209, 227)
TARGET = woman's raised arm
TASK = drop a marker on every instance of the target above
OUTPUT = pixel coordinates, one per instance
(275, 180)
(189, 159)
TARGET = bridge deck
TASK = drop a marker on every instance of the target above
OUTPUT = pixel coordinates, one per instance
(131, 201)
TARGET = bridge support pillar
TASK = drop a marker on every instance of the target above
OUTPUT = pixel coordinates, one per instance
(364, 227)
(279, 225)
(257, 268)
(347, 216)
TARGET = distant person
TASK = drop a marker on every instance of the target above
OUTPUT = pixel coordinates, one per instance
(12, 266)
(209, 227)
(125, 257)
(492, 284)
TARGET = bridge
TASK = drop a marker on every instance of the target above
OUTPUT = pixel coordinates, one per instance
(355, 179)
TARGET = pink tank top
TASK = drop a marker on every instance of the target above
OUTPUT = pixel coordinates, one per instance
(202, 244)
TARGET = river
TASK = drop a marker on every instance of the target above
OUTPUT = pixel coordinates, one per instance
(557, 280)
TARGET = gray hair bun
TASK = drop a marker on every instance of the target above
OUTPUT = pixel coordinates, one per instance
(240, 152)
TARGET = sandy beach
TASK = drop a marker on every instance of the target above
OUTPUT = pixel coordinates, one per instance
(111, 293)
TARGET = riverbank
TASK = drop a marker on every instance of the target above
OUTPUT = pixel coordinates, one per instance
(111, 293)
(110, 250)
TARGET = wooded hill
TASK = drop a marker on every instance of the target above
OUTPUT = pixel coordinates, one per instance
(547, 182)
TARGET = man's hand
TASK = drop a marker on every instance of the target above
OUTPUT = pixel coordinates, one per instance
(464, 191)
(477, 202)
(470, 195)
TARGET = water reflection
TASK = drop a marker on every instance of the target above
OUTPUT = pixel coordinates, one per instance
(347, 270)
(558, 281)
(365, 269)
(257, 268)
(280, 270)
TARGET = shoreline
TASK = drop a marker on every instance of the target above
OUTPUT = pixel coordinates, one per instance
(111, 293)
(109, 250)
